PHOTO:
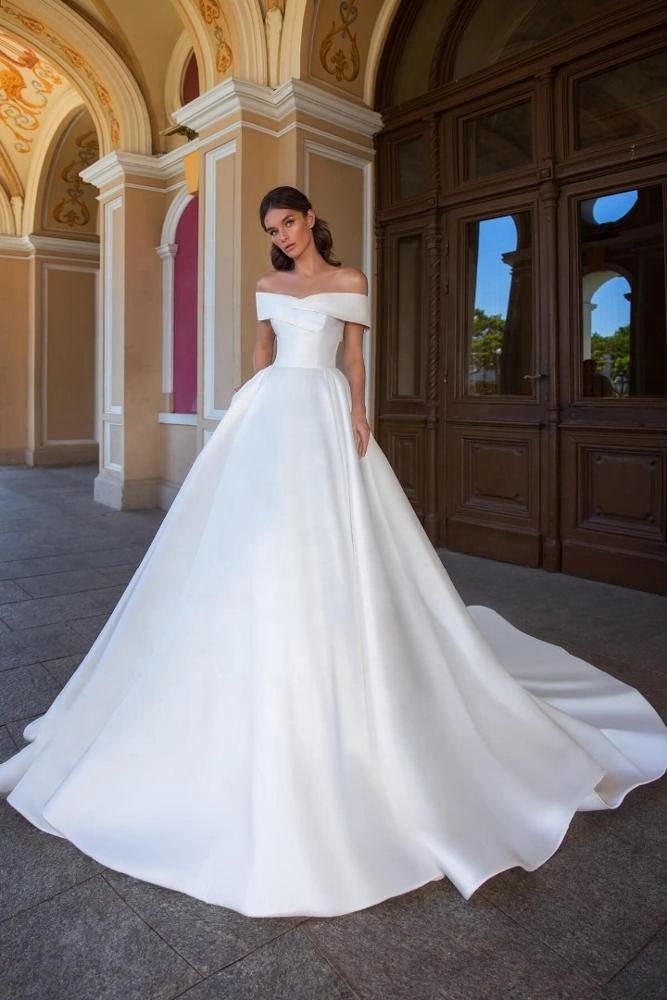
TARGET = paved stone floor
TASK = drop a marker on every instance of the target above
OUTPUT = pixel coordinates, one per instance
(591, 923)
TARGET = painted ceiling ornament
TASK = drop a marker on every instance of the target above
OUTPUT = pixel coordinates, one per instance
(210, 11)
(342, 61)
(74, 58)
(25, 82)
(72, 209)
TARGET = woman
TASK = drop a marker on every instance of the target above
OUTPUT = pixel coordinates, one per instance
(291, 711)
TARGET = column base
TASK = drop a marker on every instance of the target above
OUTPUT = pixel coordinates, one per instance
(128, 494)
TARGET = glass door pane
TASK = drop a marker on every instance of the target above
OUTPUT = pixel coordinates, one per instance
(499, 341)
(624, 322)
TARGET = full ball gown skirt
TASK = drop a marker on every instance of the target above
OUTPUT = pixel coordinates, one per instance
(290, 710)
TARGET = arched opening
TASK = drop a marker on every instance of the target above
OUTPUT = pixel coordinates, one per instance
(190, 80)
(521, 221)
(185, 310)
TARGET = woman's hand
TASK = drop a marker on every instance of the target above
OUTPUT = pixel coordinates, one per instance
(362, 432)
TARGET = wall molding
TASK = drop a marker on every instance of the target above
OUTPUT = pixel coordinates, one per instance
(47, 267)
(180, 419)
(113, 306)
(210, 257)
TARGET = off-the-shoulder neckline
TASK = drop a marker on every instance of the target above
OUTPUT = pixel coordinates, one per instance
(313, 295)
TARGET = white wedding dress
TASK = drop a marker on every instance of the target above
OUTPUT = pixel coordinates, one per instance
(290, 710)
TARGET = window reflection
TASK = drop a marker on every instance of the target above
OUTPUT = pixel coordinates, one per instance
(623, 102)
(411, 168)
(500, 322)
(624, 324)
(499, 141)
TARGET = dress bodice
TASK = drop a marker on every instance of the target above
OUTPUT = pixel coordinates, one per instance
(309, 329)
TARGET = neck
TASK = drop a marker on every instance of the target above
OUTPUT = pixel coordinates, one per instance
(310, 262)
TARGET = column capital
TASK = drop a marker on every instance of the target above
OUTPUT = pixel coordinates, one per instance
(233, 97)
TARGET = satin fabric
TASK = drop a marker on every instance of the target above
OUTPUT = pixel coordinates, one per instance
(290, 710)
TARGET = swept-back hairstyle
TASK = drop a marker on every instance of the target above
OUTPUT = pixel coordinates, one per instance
(289, 197)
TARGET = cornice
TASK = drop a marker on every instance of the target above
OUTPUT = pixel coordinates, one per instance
(54, 244)
(233, 96)
(28, 246)
(116, 167)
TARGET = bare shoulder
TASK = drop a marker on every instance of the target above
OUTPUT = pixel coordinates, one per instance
(351, 279)
(266, 283)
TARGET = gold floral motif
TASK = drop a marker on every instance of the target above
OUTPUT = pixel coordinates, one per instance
(17, 111)
(73, 57)
(72, 209)
(210, 11)
(342, 64)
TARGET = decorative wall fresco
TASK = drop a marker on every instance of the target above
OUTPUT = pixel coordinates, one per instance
(345, 33)
(73, 210)
(210, 11)
(71, 56)
(25, 83)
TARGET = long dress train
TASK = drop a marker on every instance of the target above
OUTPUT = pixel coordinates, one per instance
(290, 710)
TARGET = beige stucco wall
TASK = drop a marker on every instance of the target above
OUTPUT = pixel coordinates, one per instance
(68, 338)
(178, 450)
(15, 325)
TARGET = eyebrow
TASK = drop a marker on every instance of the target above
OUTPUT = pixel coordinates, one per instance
(290, 215)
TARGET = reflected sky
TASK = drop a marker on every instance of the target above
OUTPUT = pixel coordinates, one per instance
(613, 309)
(496, 237)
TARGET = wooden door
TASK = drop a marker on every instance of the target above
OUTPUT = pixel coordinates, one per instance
(614, 380)
(497, 383)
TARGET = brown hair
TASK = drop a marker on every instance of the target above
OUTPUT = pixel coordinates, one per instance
(289, 197)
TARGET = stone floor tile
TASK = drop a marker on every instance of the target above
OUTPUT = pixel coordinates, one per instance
(639, 820)
(120, 575)
(119, 556)
(7, 745)
(47, 610)
(44, 642)
(431, 943)
(87, 944)
(107, 597)
(17, 569)
(25, 691)
(645, 977)
(68, 582)
(90, 628)
(15, 730)
(288, 968)
(62, 668)
(595, 902)
(11, 592)
(209, 937)
(35, 865)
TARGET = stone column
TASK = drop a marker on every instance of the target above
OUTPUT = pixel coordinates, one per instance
(133, 199)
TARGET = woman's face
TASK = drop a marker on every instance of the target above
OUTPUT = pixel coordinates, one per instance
(289, 229)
